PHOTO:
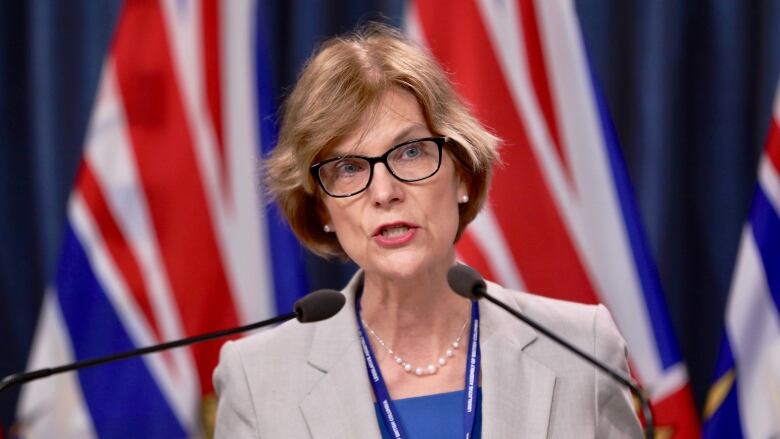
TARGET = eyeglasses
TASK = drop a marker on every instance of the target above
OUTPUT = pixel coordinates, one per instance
(350, 175)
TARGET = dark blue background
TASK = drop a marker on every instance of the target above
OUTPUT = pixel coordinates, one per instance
(689, 84)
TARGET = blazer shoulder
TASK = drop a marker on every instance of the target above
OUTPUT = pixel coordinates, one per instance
(283, 338)
(260, 354)
(566, 318)
(257, 376)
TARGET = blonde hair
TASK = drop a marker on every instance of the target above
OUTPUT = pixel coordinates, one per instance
(344, 80)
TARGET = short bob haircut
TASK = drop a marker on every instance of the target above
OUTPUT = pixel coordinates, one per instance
(340, 85)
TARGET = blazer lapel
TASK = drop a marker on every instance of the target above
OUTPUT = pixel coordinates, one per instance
(517, 391)
(340, 404)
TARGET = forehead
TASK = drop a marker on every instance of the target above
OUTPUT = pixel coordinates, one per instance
(397, 117)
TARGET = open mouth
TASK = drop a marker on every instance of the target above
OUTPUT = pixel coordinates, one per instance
(394, 231)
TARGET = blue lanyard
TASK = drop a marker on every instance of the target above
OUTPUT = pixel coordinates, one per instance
(387, 408)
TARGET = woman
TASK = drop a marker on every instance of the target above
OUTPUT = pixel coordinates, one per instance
(380, 162)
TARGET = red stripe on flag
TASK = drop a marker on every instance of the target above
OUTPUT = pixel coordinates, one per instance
(773, 144)
(476, 260)
(521, 200)
(674, 415)
(170, 177)
(538, 72)
(213, 78)
(115, 242)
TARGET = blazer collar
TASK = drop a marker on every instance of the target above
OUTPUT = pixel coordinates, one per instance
(517, 391)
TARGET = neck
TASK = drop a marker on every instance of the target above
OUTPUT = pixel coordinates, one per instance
(416, 317)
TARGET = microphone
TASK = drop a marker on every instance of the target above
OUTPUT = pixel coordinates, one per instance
(468, 283)
(316, 306)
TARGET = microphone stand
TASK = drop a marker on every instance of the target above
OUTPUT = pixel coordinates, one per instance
(313, 307)
(23, 377)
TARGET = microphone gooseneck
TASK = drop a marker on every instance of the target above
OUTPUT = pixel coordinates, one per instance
(468, 283)
(316, 306)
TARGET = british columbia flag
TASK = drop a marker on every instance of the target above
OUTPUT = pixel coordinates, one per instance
(562, 220)
(166, 236)
(744, 400)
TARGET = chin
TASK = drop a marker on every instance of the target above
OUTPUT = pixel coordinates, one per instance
(404, 265)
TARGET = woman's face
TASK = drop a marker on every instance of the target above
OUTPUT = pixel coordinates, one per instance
(396, 229)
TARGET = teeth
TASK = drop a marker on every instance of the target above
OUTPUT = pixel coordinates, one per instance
(391, 232)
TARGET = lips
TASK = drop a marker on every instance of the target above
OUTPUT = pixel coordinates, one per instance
(393, 229)
(394, 234)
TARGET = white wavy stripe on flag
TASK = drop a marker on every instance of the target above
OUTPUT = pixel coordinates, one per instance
(53, 404)
(182, 400)
(488, 236)
(753, 328)
(606, 248)
(776, 107)
(247, 249)
(411, 24)
(109, 155)
(769, 179)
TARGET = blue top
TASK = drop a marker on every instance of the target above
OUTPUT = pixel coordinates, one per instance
(433, 416)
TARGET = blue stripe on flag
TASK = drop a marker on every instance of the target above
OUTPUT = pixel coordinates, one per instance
(725, 422)
(725, 357)
(122, 397)
(286, 254)
(766, 230)
(266, 109)
(648, 273)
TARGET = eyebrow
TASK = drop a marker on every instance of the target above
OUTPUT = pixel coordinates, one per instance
(404, 134)
(401, 137)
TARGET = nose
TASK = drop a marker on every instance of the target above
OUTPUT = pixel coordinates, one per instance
(385, 189)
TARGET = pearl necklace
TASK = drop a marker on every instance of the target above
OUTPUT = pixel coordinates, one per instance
(420, 371)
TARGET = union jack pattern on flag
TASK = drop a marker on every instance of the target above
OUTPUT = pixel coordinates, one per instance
(744, 400)
(165, 236)
(562, 220)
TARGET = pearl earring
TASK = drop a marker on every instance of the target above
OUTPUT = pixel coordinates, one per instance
(326, 228)
(464, 199)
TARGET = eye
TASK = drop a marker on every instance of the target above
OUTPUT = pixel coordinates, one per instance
(411, 151)
(349, 167)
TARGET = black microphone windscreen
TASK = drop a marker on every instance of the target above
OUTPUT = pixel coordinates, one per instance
(319, 305)
(466, 281)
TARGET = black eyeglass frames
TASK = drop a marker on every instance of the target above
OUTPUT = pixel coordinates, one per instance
(410, 161)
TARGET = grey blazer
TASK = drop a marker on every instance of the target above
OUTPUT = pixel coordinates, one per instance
(309, 380)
